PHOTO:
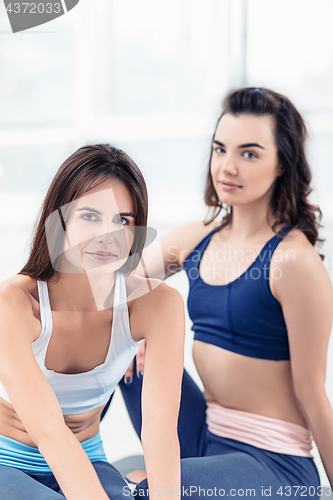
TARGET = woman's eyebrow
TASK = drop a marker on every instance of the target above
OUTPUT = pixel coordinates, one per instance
(127, 214)
(249, 145)
(89, 209)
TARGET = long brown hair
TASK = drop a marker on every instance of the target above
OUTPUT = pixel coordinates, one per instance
(85, 169)
(289, 202)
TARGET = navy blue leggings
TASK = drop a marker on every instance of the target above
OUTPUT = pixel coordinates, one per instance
(216, 466)
(18, 485)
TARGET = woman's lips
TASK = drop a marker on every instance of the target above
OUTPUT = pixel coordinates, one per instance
(102, 256)
(228, 186)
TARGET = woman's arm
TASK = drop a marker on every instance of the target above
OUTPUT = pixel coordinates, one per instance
(159, 316)
(36, 404)
(165, 256)
(306, 296)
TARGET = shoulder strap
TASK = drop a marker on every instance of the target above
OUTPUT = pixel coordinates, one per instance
(45, 307)
(285, 230)
(120, 322)
(267, 251)
(194, 258)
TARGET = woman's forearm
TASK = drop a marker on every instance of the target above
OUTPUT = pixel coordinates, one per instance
(162, 458)
(319, 416)
(71, 466)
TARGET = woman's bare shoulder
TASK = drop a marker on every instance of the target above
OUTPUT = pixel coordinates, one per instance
(19, 282)
(296, 258)
(297, 270)
(153, 299)
(295, 243)
(138, 286)
(144, 290)
(19, 310)
(20, 292)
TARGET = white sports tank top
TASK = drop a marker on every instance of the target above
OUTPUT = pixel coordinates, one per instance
(81, 392)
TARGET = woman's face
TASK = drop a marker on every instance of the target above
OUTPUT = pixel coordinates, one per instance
(100, 229)
(244, 162)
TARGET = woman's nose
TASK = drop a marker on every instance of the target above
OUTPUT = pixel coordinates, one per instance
(229, 165)
(107, 235)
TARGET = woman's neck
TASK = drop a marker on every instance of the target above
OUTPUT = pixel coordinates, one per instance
(250, 221)
(82, 291)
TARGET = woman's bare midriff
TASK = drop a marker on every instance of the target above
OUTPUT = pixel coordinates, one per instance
(84, 425)
(253, 385)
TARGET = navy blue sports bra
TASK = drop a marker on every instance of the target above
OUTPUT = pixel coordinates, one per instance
(241, 316)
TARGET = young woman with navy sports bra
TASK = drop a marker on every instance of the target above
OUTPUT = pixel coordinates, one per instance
(260, 301)
(70, 323)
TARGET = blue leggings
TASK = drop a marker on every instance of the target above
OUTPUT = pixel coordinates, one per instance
(15, 484)
(216, 466)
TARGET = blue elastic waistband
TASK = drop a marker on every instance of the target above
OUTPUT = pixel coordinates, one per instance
(19, 455)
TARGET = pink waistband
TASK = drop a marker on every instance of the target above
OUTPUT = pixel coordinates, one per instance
(263, 432)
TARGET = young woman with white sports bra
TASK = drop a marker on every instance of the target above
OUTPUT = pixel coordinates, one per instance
(70, 323)
(261, 302)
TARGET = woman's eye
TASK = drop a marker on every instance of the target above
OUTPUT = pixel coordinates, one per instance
(248, 154)
(89, 217)
(218, 150)
(121, 220)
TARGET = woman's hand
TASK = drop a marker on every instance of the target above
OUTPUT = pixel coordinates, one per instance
(140, 363)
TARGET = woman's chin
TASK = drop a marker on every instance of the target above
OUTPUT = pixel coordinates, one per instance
(89, 265)
(103, 268)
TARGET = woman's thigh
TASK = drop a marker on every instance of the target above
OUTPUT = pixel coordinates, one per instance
(236, 475)
(235, 469)
(278, 475)
(112, 481)
(17, 485)
(192, 413)
(239, 474)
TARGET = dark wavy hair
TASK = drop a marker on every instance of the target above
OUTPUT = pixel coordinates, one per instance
(85, 169)
(289, 203)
